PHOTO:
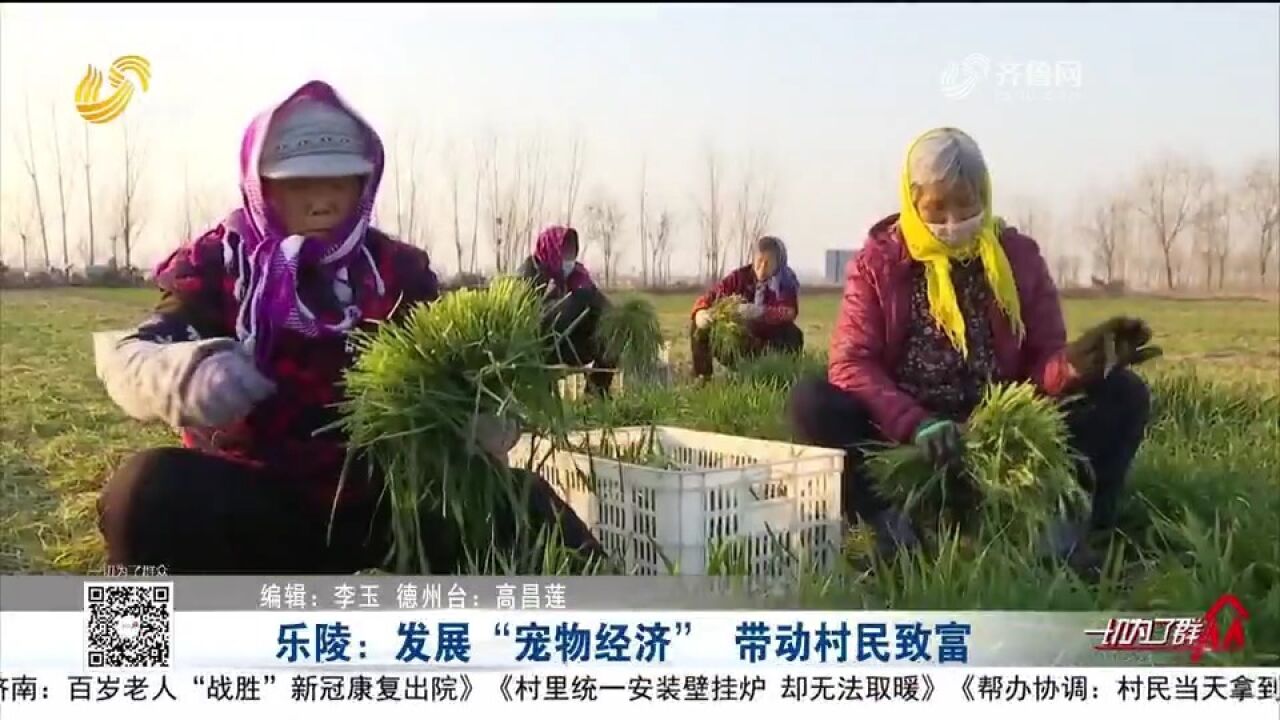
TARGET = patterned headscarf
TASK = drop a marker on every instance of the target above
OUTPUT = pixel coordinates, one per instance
(548, 253)
(268, 260)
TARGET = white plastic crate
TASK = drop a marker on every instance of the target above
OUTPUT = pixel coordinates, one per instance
(775, 503)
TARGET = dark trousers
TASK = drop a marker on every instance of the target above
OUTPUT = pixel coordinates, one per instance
(1106, 426)
(574, 319)
(761, 340)
(198, 513)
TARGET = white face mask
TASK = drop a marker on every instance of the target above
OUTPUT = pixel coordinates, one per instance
(567, 267)
(957, 234)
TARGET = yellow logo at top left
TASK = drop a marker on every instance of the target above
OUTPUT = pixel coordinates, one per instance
(97, 109)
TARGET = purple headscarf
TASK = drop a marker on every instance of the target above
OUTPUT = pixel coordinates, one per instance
(548, 253)
(268, 259)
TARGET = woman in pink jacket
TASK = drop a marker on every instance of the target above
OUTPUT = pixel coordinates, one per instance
(942, 300)
(769, 302)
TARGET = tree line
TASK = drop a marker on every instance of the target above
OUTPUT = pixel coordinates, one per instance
(1177, 224)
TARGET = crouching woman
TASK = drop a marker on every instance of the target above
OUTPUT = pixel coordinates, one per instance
(572, 303)
(942, 300)
(768, 295)
(245, 354)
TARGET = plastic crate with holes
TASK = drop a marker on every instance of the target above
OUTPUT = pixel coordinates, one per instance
(667, 500)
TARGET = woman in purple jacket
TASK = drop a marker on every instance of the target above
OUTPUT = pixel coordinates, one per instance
(942, 300)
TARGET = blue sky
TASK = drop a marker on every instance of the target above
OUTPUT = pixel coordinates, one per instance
(823, 98)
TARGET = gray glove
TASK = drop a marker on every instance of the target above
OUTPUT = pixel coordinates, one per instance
(223, 388)
(204, 383)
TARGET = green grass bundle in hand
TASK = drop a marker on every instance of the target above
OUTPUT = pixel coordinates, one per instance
(1016, 457)
(631, 334)
(413, 394)
(728, 333)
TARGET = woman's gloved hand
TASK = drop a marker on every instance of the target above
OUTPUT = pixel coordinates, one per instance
(1116, 343)
(224, 388)
(941, 441)
(702, 319)
(750, 312)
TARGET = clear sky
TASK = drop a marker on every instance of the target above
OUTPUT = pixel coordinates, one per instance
(823, 98)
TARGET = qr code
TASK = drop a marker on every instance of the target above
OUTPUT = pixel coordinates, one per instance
(128, 624)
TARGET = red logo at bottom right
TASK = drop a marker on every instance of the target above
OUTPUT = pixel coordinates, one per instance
(1219, 630)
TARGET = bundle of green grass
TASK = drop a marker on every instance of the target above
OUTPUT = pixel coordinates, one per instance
(1017, 467)
(727, 331)
(413, 394)
(631, 333)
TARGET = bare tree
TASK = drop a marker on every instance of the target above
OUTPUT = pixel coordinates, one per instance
(130, 201)
(1032, 217)
(1211, 227)
(1107, 225)
(63, 180)
(454, 182)
(604, 223)
(533, 182)
(498, 203)
(1066, 270)
(643, 220)
(88, 197)
(660, 246)
(187, 223)
(408, 201)
(1260, 196)
(753, 211)
(517, 204)
(20, 223)
(577, 160)
(1221, 245)
(711, 212)
(29, 161)
(475, 206)
(1169, 191)
(200, 208)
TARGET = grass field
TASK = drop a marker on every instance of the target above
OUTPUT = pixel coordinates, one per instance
(1203, 516)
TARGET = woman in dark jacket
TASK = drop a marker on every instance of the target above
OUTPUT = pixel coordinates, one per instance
(573, 304)
(943, 299)
(245, 354)
(769, 295)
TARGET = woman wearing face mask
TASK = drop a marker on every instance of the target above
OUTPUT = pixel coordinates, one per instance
(244, 354)
(943, 299)
(769, 295)
(573, 303)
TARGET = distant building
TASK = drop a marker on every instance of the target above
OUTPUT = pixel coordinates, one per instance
(836, 262)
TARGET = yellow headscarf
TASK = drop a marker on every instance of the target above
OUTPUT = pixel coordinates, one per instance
(936, 256)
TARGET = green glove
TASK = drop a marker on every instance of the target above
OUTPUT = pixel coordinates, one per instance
(1116, 343)
(941, 441)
